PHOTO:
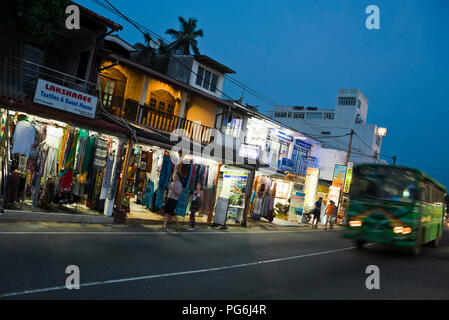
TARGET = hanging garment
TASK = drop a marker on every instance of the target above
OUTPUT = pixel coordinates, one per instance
(50, 163)
(148, 195)
(87, 160)
(116, 175)
(164, 178)
(23, 138)
(212, 175)
(53, 136)
(107, 176)
(207, 201)
(257, 207)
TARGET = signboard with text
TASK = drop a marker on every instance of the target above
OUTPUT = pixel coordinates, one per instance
(348, 177)
(63, 98)
(339, 176)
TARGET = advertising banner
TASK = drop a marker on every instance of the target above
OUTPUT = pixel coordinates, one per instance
(334, 194)
(63, 98)
(339, 176)
(310, 187)
(296, 206)
(348, 177)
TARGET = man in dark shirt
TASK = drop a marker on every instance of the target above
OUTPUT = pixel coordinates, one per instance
(317, 213)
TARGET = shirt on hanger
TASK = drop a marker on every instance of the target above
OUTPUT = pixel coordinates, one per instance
(23, 138)
(53, 137)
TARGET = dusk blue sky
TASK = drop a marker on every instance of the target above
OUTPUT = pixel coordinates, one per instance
(302, 52)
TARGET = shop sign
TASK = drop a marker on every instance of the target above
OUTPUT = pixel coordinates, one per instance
(248, 151)
(303, 144)
(284, 136)
(66, 99)
(348, 177)
(296, 206)
(334, 194)
(339, 176)
(310, 187)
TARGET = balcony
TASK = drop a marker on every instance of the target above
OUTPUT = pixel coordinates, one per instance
(19, 78)
(151, 117)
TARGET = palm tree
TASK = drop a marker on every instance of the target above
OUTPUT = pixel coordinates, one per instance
(185, 38)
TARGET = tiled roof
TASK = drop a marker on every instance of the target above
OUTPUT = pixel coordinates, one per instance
(111, 24)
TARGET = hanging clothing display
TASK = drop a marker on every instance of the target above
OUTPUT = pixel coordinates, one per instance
(52, 162)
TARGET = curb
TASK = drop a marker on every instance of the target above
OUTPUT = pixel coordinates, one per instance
(12, 215)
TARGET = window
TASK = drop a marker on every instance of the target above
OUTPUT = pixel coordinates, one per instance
(299, 115)
(278, 114)
(213, 83)
(325, 132)
(328, 116)
(153, 103)
(206, 79)
(161, 106)
(314, 115)
(199, 76)
(206, 82)
(346, 101)
(358, 103)
(233, 126)
(298, 108)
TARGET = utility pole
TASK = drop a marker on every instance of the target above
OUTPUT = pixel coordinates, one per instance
(348, 153)
(394, 160)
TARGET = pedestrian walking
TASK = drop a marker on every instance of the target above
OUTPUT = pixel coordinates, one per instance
(317, 213)
(175, 190)
(330, 212)
(195, 205)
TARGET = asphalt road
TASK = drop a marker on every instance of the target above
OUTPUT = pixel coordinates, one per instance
(131, 262)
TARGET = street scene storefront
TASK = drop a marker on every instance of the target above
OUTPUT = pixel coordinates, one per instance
(52, 165)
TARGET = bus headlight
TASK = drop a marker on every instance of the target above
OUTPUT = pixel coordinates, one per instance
(403, 230)
(355, 223)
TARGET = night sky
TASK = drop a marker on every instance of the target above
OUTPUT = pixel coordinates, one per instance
(302, 52)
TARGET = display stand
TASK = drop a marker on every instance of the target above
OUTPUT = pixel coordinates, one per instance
(221, 212)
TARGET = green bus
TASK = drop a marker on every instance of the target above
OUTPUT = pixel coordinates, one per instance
(395, 205)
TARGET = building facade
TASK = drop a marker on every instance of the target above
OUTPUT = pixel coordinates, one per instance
(333, 126)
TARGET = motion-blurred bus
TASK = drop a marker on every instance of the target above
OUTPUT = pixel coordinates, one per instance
(393, 205)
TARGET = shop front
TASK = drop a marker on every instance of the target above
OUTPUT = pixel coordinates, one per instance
(52, 161)
(232, 191)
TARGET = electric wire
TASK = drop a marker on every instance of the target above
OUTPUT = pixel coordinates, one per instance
(144, 30)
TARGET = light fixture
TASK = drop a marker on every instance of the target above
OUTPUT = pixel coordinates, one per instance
(381, 131)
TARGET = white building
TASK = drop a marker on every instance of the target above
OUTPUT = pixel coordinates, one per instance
(326, 124)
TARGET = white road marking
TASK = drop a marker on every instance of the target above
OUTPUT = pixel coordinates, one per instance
(173, 274)
(147, 233)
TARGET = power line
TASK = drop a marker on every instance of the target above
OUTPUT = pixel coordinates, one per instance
(139, 27)
(144, 30)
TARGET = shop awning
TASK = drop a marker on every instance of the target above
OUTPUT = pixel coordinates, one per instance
(30, 107)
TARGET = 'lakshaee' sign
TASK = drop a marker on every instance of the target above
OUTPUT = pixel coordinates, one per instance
(63, 98)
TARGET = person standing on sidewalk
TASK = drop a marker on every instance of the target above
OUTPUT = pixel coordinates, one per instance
(175, 190)
(317, 213)
(330, 212)
(195, 205)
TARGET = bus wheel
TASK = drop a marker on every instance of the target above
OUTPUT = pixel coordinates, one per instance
(360, 243)
(416, 249)
(436, 242)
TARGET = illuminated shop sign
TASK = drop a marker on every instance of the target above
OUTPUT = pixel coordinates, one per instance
(339, 176)
(248, 151)
(66, 99)
(348, 177)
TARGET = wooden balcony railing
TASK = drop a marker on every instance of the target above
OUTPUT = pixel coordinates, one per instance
(144, 115)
